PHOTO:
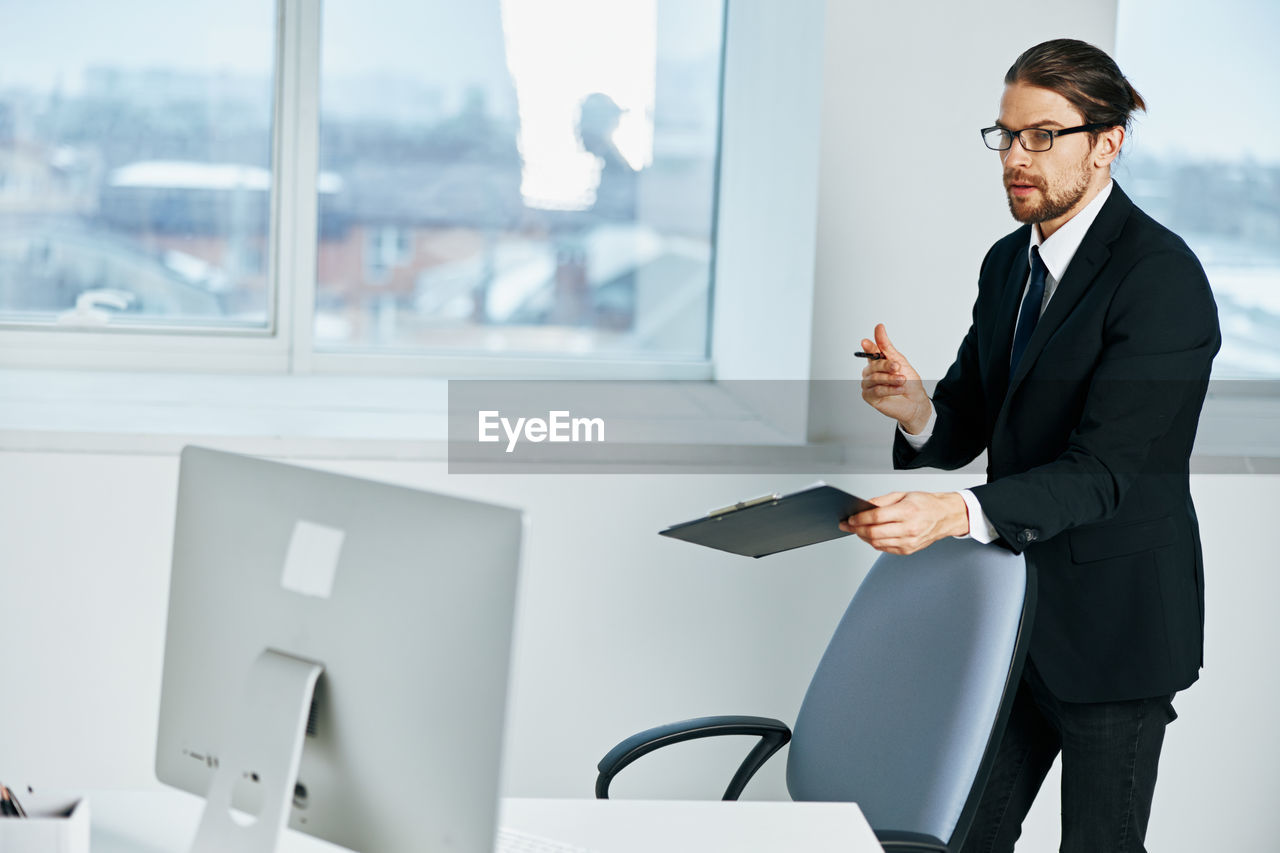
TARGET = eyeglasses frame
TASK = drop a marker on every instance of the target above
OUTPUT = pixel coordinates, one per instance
(1053, 134)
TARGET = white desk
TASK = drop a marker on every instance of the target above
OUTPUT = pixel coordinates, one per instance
(164, 822)
(695, 826)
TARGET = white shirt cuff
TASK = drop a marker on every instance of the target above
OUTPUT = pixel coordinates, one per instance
(920, 440)
(980, 527)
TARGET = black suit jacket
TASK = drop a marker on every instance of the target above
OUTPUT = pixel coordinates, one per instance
(1087, 449)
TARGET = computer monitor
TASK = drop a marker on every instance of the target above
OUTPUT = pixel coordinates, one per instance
(396, 604)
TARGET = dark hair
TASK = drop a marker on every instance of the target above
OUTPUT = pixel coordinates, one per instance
(1082, 74)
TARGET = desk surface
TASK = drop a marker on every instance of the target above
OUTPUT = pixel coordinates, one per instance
(164, 822)
(695, 826)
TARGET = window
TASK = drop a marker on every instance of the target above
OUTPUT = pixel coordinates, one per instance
(1205, 159)
(490, 177)
(528, 177)
(135, 170)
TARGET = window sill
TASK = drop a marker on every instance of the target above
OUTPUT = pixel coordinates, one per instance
(363, 417)
(1239, 430)
(154, 413)
(356, 417)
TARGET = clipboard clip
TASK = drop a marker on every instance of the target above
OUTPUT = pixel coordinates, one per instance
(763, 499)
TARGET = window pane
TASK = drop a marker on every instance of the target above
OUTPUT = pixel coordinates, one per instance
(509, 176)
(135, 152)
(1205, 159)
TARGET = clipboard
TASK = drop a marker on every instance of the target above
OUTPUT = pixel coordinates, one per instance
(773, 523)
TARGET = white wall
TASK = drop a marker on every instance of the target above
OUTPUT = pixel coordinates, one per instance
(910, 199)
(768, 189)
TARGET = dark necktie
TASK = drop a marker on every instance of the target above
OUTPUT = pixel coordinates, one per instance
(1030, 313)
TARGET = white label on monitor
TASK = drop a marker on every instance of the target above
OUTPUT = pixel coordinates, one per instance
(312, 560)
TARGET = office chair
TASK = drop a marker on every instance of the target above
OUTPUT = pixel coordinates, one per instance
(908, 704)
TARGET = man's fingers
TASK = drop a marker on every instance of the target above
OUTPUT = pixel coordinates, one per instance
(886, 391)
(884, 511)
(876, 377)
(881, 533)
(878, 366)
(882, 388)
(899, 523)
(893, 360)
(899, 544)
(886, 345)
(877, 385)
(890, 538)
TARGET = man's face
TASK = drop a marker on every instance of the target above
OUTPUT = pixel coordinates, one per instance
(1044, 186)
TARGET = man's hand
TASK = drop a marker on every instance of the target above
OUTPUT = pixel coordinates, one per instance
(892, 386)
(906, 522)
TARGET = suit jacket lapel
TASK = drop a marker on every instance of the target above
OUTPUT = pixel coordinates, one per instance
(1010, 302)
(1089, 258)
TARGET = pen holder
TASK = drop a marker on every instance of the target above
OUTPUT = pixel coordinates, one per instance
(53, 825)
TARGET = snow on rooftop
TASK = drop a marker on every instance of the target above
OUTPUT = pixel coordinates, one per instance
(186, 175)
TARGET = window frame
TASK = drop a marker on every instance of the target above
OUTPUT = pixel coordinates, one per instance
(171, 347)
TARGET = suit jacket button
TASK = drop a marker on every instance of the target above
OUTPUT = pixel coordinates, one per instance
(1029, 535)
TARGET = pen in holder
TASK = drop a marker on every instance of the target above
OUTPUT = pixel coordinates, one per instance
(51, 824)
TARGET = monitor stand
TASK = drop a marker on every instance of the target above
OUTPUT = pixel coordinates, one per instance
(265, 745)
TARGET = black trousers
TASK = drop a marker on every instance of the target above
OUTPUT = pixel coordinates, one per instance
(1110, 751)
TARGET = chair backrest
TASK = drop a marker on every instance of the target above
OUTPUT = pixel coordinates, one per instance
(910, 699)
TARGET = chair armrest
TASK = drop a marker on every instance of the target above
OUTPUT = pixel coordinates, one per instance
(773, 734)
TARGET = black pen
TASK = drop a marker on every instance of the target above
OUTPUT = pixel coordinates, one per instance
(871, 355)
(9, 805)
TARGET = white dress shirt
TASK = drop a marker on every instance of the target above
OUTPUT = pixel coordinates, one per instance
(1056, 253)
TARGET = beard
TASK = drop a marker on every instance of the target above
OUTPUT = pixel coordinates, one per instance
(1054, 201)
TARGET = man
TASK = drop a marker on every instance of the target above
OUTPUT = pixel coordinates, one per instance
(1082, 377)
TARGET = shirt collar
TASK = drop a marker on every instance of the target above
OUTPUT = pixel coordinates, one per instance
(1060, 248)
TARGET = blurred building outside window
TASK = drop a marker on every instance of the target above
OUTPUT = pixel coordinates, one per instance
(548, 170)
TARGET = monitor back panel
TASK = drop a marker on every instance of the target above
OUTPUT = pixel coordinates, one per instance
(414, 634)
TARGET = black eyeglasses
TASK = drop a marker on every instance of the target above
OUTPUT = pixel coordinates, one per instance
(1032, 138)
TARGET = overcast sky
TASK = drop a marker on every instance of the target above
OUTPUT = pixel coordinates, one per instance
(40, 39)
(1210, 74)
